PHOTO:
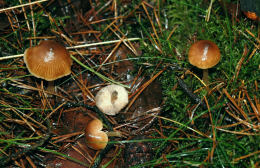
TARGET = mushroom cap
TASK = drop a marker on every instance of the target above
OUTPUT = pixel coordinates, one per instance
(49, 60)
(252, 15)
(96, 139)
(111, 99)
(204, 54)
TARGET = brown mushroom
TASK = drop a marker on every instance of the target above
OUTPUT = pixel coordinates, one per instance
(252, 15)
(204, 54)
(49, 60)
(95, 137)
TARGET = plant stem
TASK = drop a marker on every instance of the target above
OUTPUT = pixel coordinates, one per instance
(114, 134)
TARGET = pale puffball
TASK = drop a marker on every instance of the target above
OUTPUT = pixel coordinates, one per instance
(111, 99)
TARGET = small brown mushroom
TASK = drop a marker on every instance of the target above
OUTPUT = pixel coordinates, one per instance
(49, 60)
(204, 54)
(96, 138)
(252, 15)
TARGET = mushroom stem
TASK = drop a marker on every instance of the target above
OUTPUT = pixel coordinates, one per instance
(114, 134)
(50, 87)
(205, 78)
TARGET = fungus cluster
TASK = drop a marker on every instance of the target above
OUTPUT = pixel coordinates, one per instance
(109, 100)
(49, 61)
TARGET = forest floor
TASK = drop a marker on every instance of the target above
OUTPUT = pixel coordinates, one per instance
(174, 118)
